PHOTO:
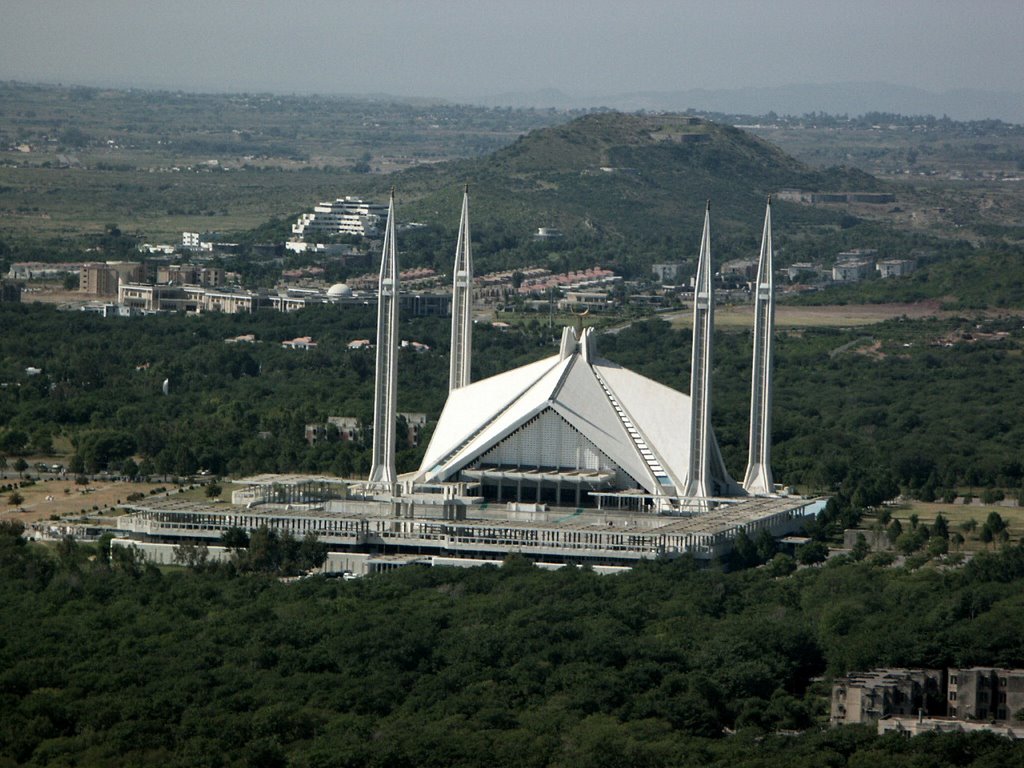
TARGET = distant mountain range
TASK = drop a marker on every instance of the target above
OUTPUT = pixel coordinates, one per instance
(834, 98)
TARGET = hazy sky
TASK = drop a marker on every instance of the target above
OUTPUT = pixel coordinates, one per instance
(461, 49)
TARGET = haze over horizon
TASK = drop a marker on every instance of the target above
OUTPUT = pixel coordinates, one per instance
(480, 51)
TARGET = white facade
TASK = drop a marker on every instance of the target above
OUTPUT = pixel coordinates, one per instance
(344, 216)
(557, 429)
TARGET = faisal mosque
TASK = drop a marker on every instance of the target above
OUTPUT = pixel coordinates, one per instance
(570, 459)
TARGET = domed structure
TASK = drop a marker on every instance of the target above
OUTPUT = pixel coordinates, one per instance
(339, 291)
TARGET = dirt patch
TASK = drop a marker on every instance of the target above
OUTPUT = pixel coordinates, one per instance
(64, 497)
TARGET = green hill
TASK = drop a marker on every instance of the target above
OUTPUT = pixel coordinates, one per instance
(625, 186)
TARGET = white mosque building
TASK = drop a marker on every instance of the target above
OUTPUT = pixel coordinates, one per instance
(569, 459)
(576, 430)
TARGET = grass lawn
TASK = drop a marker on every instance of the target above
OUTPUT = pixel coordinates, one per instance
(739, 316)
(957, 514)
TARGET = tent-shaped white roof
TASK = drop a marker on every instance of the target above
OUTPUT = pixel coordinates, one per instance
(638, 424)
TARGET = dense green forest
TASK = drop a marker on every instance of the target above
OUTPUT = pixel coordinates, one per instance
(106, 660)
(928, 404)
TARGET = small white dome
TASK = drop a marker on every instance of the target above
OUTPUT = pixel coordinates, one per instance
(338, 290)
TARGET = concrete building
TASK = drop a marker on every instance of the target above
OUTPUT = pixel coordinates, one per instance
(102, 279)
(304, 343)
(667, 273)
(895, 267)
(986, 693)
(570, 459)
(742, 269)
(97, 279)
(852, 271)
(915, 726)
(344, 216)
(349, 428)
(863, 697)
(37, 270)
(414, 424)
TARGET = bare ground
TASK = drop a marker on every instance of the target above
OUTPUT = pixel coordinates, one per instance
(63, 497)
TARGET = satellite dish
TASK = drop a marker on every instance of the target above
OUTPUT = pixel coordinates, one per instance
(166, 386)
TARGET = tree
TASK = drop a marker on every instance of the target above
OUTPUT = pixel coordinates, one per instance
(13, 441)
(213, 490)
(15, 499)
(744, 550)
(894, 530)
(129, 468)
(235, 539)
(861, 548)
(766, 546)
(20, 465)
(812, 552)
(312, 552)
(192, 555)
(941, 527)
(76, 465)
(995, 522)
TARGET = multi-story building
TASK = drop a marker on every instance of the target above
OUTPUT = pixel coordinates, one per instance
(852, 271)
(415, 423)
(344, 216)
(97, 279)
(102, 279)
(344, 428)
(895, 267)
(348, 427)
(985, 693)
(667, 273)
(868, 696)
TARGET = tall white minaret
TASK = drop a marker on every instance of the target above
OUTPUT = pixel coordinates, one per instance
(462, 304)
(382, 468)
(699, 481)
(758, 480)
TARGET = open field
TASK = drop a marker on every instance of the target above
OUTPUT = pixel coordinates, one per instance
(828, 316)
(64, 497)
(958, 513)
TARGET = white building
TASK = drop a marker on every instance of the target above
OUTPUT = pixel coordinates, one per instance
(554, 430)
(344, 216)
(895, 267)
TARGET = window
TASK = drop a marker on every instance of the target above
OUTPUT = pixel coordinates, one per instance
(952, 695)
(1002, 697)
(952, 711)
(1002, 682)
(1001, 714)
(952, 679)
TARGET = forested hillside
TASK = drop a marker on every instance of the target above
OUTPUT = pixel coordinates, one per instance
(104, 660)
